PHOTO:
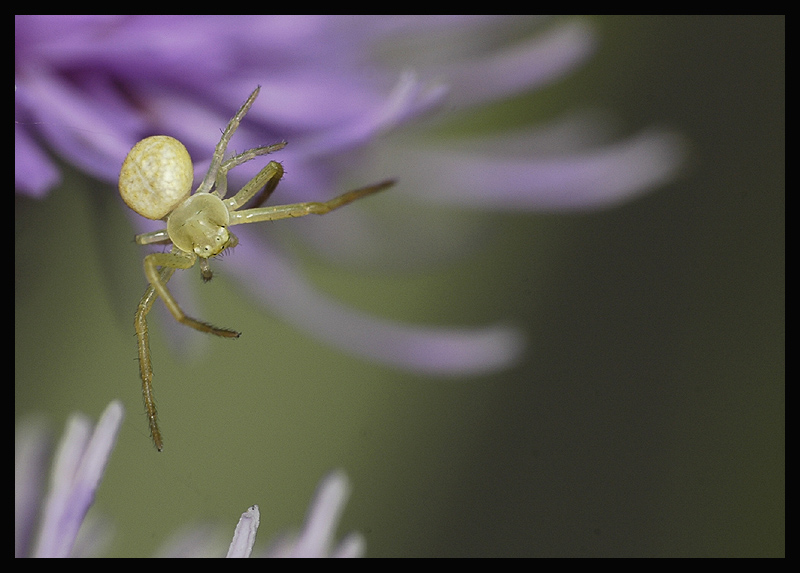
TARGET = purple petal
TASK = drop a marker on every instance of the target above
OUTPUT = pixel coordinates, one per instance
(522, 67)
(31, 455)
(274, 281)
(409, 98)
(80, 461)
(317, 536)
(86, 131)
(34, 172)
(580, 180)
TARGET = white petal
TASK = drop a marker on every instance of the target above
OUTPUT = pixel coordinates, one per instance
(245, 535)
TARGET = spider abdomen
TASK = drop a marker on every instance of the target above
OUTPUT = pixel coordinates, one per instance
(156, 176)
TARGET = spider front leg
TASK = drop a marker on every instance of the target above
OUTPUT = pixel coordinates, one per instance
(152, 237)
(268, 177)
(178, 259)
(221, 187)
(219, 151)
(302, 209)
(168, 263)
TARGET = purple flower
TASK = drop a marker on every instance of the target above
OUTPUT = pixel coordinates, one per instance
(316, 537)
(77, 469)
(78, 466)
(356, 97)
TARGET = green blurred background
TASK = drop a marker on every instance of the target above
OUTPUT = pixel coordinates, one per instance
(647, 419)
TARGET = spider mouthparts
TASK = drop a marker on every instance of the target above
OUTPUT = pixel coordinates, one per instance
(205, 270)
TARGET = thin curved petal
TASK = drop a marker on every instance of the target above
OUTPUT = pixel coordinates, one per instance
(31, 455)
(526, 66)
(409, 98)
(319, 530)
(583, 180)
(84, 130)
(317, 536)
(34, 172)
(274, 281)
(79, 465)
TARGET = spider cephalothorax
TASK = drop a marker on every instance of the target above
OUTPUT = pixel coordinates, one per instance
(156, 180)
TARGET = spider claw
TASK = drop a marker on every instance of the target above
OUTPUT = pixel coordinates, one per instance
(217, 331)
(226, 333)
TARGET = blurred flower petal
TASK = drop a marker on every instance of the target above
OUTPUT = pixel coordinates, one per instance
(273, 280)
(31, 454)
(525, 66)
(600, 177)
(34, 171)
(409, 98)
(323, 516)
(316, 539)
(78, 467)
(86, 131)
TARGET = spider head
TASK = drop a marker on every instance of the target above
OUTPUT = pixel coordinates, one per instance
(211, 239)
(205, 269)
(200, 226)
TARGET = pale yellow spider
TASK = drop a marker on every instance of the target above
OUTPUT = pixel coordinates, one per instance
(156, 181)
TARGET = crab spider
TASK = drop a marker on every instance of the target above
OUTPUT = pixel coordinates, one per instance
(156, 181)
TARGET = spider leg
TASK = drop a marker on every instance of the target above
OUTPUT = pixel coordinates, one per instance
(178, 259)
(303, 209)
(221, 188)
(145, 363)
(168, 263)
(219, 152)
(269, 176)
(152, 237)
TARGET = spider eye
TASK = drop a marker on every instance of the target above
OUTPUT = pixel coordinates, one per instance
(213, 244)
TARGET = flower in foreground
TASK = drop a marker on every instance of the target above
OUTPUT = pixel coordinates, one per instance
(346, 93)
(316, 538)
(77, 469)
